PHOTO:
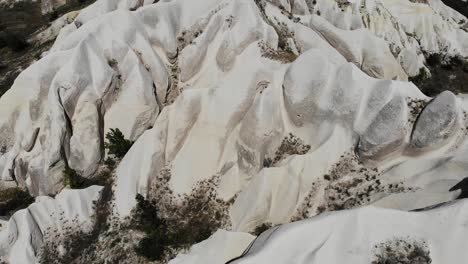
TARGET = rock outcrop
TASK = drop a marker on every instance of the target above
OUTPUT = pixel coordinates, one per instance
(284, 109)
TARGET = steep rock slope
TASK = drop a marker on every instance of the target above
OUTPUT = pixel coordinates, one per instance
(285, 110)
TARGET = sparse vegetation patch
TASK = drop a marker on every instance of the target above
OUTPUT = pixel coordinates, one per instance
(348, 184)
(71, 244)
(173, 223)
(291, 145)
(402, 251)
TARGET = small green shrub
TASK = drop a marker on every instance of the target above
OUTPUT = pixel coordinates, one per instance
(117, 144)
(73, 180)
(14, 199)
(419, 79)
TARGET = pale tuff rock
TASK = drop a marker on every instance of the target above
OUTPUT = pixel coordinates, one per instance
(363, 235)
(295, 107)
(81, 93)
(23, 236)
(221, 247)
(409, 28)
(387, 132)
(359, 47)
(438, 122)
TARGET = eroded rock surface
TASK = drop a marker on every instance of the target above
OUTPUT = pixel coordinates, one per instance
(250, 113)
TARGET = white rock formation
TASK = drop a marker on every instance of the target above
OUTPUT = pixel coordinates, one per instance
(365, 235)
(221, 247)
(295, 108)
(22, 237)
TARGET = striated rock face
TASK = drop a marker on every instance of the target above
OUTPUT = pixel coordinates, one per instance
(273, 111)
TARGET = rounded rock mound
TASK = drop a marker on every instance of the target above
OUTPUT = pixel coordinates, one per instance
(387, 132)
(437, 123)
